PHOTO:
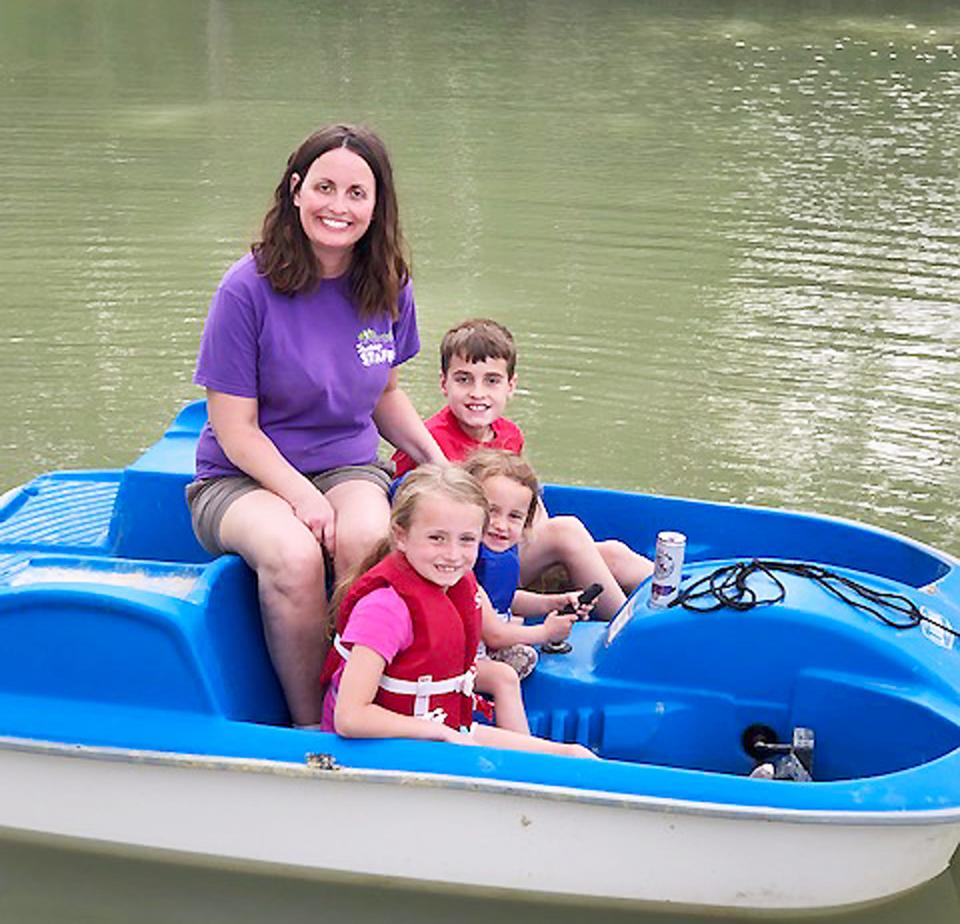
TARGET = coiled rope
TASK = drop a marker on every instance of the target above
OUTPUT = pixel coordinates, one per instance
(728, 587)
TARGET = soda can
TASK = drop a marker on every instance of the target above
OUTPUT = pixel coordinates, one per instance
(668, 565)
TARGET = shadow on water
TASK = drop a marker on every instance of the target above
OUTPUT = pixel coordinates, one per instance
(40, 884)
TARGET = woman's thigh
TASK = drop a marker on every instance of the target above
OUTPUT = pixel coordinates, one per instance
(363, 519)
(261, 528)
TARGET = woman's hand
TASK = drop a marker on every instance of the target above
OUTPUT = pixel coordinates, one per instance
(318, 515)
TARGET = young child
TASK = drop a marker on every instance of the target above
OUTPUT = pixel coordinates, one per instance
(511, 488)
(478, 376)
(416, 614)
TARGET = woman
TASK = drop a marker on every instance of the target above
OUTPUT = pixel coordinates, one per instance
(299, 358)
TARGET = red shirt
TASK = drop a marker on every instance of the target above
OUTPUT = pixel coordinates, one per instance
(457, 444)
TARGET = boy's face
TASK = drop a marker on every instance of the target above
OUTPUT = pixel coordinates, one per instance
(477, 393)
(509, 504)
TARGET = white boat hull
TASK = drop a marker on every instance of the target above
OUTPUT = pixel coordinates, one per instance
(477, 834)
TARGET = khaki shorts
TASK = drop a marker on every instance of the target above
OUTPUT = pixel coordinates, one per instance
(209, 498)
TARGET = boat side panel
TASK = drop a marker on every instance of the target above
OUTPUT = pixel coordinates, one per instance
(102, 645)
(729, 531)
(633, 853)
(231, 647)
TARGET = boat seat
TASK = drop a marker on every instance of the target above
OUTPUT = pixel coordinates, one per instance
(151, 518)
(143, 635)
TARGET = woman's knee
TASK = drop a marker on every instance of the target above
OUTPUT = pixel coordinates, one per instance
(356, 542)
(363, 520)
(294, 565)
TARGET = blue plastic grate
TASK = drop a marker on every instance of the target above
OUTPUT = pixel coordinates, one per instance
(62, 512)
(11, 564)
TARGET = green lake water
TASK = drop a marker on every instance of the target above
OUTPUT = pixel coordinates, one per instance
(725, 234)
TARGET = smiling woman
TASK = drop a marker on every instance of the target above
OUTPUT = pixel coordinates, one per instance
(299, 358)
(336, 200)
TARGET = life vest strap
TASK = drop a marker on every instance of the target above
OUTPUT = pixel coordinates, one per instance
(423, 687)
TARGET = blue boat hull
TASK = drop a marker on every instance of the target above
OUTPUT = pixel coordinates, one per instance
(118, 632)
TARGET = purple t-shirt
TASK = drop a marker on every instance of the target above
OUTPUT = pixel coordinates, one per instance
(316, 369)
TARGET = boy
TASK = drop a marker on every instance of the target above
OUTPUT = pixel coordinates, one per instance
(478, 361)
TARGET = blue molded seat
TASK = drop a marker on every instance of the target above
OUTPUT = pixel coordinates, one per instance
(151, 518)
(143, 635)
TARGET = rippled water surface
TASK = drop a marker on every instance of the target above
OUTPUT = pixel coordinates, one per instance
(726, 235)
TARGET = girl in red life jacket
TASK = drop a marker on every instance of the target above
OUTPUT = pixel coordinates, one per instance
(402, 663)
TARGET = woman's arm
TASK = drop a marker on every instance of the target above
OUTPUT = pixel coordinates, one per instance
(399, 423)
(355, 714)
(235, 423)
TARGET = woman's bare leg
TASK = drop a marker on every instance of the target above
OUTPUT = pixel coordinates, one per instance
(288, 560)
(363, 519)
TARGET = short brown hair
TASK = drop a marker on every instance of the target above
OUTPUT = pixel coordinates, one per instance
(380, 267)
(489, 463)
(477, 339)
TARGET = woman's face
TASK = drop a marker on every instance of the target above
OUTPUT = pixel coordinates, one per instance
(336, 201)
(443, 539)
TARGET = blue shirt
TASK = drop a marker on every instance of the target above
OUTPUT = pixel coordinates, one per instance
(498, 573)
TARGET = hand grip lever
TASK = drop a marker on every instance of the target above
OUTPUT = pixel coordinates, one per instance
(587, 597)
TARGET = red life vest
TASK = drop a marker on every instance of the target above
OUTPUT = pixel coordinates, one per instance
(433, 678)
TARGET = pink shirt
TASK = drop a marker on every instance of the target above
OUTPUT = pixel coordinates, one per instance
(381, 621)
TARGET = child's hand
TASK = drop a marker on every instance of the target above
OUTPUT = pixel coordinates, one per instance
(572, 600)
(557, 626)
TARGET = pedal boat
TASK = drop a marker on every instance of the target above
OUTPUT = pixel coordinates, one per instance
(139, 713)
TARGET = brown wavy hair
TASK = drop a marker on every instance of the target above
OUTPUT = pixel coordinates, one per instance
(380, 266)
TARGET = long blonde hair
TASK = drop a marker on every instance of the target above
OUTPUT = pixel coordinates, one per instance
(489, 463)
(430, 480)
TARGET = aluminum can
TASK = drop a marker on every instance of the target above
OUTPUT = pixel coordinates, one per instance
(668, 565)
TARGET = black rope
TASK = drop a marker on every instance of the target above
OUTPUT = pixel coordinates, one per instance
(727, 587)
